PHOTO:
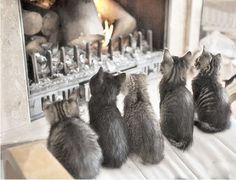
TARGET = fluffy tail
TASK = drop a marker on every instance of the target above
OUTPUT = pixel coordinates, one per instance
(152, 159)
(112, 164)
(205, 127)
(151, 144)
(183, 144)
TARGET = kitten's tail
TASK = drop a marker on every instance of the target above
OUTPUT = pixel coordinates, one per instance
(183, 144)
(207, 128)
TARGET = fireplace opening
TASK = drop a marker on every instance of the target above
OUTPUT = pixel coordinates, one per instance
(66, 41)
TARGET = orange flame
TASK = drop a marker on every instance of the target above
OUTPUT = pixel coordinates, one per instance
(107, 33)
(108, 29)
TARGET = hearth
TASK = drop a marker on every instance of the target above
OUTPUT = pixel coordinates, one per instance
(16, 93)
(66, 52)
(67, 68)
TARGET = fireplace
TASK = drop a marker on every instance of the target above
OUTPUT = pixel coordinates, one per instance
(56, 66)
(24, 83)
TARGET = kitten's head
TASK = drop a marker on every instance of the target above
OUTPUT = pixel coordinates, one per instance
(134, 83)
(63, 109)
(174, 68)
(208, 63)
(106, 84)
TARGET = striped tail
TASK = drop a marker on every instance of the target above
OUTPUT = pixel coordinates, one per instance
(183, 145)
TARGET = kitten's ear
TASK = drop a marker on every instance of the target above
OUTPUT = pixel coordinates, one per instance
(167, 56)
(217, 59)
(74, 95)
(100, 74)
(121, 77)
(203, 49)
(188, 56)
(46, 103)
(218, 56)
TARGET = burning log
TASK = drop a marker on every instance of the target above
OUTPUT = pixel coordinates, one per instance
(32, 22)
(114, 13)
(124, 26)
(50, 23)
(46, 4)
(80, 22)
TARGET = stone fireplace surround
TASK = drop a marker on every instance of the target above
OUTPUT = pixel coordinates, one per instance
(182, 33)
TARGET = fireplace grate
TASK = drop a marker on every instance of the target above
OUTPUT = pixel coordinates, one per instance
(58, 72)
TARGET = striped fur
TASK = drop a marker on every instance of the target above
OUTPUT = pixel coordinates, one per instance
(106, 119)
(71, 140)
(211, 102)
(176, 102)
(144, 134)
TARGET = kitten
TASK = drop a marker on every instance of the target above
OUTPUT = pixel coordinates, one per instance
(144, 134)
(176, 101)
(212, 106)
(106, 119)
(71, 140)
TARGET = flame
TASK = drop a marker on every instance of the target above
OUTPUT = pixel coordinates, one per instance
(99, 6)
(108, 29)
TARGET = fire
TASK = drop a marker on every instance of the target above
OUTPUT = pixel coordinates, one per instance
(107, 33)
(99, 6)
(108, 29)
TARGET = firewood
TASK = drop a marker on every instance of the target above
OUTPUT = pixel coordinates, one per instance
(35, 45)
(80, 22)
(50, 23)
(32, 22)
(55, 37)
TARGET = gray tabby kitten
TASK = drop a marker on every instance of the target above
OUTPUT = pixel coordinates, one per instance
(211, 103)
(71, 140)
(144, 134)
(106, 119)
(176, 101)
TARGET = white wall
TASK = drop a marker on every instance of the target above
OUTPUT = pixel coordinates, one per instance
(14, 100)
(184, 25)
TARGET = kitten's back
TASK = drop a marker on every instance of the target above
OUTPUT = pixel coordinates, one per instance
(106, 119)
(144, 133)
(176, 105)
(177, 112)
(211, 102)
(71, 140)
(74, 144)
